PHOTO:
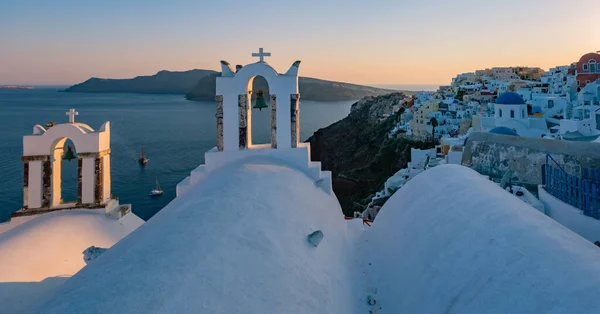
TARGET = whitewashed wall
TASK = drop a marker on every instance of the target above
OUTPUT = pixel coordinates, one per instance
(569, 216)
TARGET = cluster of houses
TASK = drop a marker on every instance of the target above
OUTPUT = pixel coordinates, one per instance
(561, 103)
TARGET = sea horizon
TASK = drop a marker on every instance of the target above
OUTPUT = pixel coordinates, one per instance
(403, 87)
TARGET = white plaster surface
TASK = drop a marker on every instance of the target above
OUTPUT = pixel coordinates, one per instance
(56, 177)
(450, 241)
(297, 157)
(44, 142)
(28, 297)
(232, 86)
(33, 248)
(570, 216)
(454, 157)
(236, 243)
(106, 178)
(83, 137)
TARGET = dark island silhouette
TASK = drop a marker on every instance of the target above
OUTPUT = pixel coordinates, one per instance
(200, 85)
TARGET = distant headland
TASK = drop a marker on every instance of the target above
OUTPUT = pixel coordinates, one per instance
(200, 85)
(15, 87)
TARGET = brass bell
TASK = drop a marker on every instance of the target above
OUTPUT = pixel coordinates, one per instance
(68, 155)
(260, 101)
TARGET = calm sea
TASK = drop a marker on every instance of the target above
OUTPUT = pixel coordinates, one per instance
(174, 132)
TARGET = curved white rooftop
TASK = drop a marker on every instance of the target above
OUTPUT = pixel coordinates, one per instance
(450, 241)
(235, 243)
(38, 247)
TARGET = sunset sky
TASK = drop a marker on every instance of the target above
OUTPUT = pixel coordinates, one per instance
(358, 41)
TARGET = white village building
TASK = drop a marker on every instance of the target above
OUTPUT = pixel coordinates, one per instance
(258, 229)
(511, 118)
(583, 123)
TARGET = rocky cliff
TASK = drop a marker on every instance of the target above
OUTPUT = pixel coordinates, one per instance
(359, 152)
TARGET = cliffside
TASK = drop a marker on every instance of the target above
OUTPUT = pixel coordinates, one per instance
(359, 153)
(163, 82)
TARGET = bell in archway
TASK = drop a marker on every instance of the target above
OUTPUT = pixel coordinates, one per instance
(68, 155)
(260, 101)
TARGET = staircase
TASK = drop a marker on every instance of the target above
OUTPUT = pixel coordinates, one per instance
(297, 157)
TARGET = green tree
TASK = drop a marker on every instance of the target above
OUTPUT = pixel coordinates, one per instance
(434, 124)
(459, 94)
(400, 113)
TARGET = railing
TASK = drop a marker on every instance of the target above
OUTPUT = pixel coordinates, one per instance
(579, 192)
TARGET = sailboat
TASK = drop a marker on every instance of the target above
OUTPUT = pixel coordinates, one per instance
(142, 160)
(157, 191)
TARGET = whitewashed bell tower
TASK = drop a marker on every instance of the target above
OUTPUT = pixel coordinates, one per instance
(234, 122)
(42, 161)
(234, 110)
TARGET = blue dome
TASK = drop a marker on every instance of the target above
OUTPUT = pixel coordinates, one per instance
(504, 131)
(510, 98)
(536, 109)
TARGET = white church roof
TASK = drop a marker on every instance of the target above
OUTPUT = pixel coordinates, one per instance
(51, 244)
(450, 241)
(39, 253)
(235, 243)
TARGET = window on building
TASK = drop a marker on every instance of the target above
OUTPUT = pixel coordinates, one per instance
(550, 103)
(585, 67)
(512, 113)
(500, 113)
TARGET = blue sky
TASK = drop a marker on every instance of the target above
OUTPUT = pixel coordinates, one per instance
(372, 42)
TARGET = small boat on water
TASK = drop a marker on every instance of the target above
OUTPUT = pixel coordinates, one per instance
(157, 191)
(142, 160)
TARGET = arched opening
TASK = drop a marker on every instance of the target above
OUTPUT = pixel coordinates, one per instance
(65, 177)
(259, 113)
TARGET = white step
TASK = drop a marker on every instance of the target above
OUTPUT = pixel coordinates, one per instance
(197, 174)
(183, 187)
(326, 183)
(314, 168)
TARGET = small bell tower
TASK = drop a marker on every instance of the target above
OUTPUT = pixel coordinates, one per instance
(234, 105)
(43, 153)
(234, 122)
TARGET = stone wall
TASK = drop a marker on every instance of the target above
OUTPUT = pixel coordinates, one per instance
(494, 154)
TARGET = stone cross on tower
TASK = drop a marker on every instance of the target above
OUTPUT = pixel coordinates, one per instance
(72, 113)
(261, 54)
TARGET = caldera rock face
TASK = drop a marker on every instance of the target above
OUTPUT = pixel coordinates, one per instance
(359, 152)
